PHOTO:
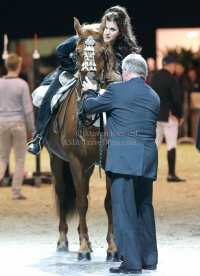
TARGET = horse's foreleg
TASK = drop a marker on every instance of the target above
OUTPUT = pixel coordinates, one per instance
(82, 206)
(87, 182)
(62, 244)
(112, 250)
(65, 197)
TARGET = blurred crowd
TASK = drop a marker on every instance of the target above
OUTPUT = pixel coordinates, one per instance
(188, 78)
(189, 81)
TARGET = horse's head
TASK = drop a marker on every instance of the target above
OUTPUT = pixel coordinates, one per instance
(94, 56)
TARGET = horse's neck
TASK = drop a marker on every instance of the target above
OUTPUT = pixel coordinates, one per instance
(79, 85)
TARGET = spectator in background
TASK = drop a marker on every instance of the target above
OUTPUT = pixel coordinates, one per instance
(151, 63)
(182, 77)
(194, 80)
(170, 117)
(15, 103)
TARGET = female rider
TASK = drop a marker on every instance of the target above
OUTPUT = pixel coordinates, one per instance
(118, 32)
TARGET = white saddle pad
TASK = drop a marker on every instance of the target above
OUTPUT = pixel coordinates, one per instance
(64, 90)
(38, 94)
(66, 81)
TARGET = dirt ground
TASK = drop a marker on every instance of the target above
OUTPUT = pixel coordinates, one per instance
(33, 223)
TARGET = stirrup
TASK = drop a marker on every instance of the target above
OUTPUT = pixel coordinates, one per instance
(38, 139)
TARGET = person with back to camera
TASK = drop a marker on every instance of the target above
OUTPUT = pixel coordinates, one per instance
(194, 80)
(131, 162)
(118, 32)
(171, 114)
(15, 103)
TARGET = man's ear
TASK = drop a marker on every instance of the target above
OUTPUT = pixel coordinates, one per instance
(125, 71)
(77, 26)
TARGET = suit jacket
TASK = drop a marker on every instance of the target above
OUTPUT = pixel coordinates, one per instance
(63, 52)
(167, 88)
(132, 109)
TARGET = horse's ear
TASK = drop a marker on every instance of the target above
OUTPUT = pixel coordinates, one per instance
(77, 25)
(103, 24)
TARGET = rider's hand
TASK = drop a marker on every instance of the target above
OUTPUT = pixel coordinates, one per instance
(112, 76)
(88, 85)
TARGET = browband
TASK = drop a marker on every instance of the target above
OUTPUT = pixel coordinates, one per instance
(96, 40)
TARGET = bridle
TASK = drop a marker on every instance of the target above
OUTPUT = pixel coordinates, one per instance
(89, 65)
(82, 116)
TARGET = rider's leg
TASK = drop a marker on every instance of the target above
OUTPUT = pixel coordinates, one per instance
(44, 117)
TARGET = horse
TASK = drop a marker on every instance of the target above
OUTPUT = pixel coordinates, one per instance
(72, 167)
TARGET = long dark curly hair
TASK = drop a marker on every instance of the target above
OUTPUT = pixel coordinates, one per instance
(126, 42)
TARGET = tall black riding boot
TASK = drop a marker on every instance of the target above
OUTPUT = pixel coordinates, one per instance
(44, 117)
(172, 177)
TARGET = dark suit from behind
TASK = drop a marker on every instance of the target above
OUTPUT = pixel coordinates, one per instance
(132, 109)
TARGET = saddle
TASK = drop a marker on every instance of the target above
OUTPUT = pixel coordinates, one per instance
(67, 80)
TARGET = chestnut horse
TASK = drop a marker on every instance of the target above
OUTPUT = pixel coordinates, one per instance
(71, 167)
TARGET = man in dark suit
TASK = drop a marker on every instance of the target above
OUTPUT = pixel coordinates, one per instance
(132, 109)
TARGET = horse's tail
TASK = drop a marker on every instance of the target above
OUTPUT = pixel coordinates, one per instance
(66, 198)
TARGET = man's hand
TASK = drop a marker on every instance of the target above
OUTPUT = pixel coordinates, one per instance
(88, 85)
(112, 76)
(180, 121)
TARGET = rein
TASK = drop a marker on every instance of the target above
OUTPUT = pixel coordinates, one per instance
(56, 127)
(90, 65)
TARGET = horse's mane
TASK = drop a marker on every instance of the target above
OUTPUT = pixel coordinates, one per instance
(97, 32)
(92, 29)
(111, 59)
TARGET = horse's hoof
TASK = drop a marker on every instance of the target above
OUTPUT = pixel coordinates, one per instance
(90, 246)
(112, 257)
(84, 256)
(62, 246)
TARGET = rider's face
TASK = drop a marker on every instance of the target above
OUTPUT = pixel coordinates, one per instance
(111, 32)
